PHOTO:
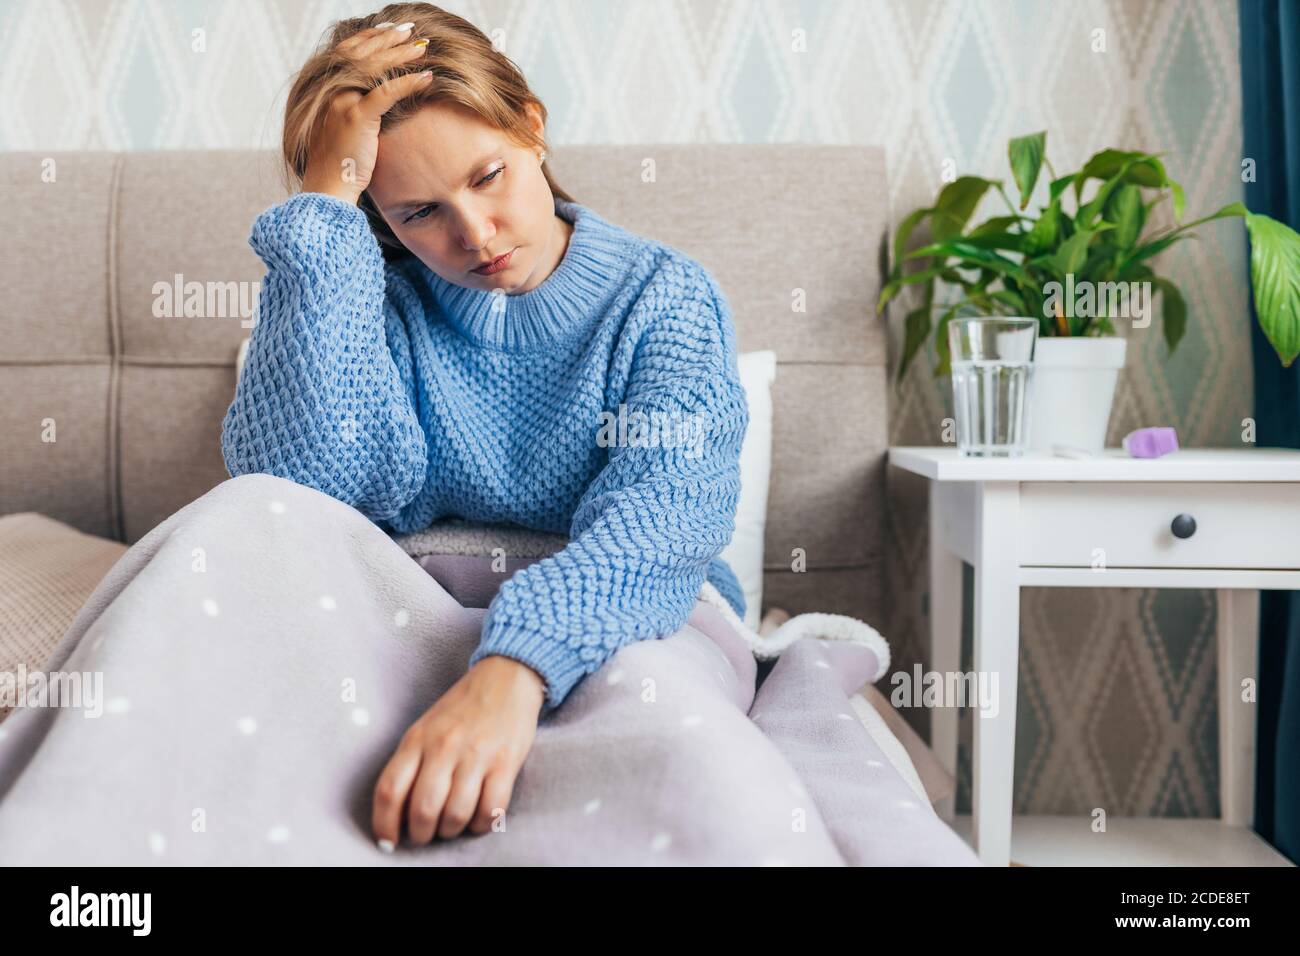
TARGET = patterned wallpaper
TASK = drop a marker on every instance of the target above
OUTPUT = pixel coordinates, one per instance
(1117, 703)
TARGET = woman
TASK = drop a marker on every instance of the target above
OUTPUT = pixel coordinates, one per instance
(443, 331)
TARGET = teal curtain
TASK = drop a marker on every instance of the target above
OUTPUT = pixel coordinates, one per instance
(1270, 89)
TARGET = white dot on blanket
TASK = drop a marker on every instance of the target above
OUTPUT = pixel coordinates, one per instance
(907, 804)
(402, 617)
(874, 763)
(277, 507)
(210, 607)
(327, 602)
(591, 807)
(615, 676)
(278, 834)
(844, 716)
(660, 842)
(360, 716)
(117, 705)
(692, 720)
(822, 664)
(247, 725)
(157, 843)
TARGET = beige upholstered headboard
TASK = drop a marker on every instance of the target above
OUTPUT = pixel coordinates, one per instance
(110, 416)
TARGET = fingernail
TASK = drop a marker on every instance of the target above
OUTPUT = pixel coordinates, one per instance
(404, 26)
(421, 42)
(386, 23)
(386, 846)
(426, 74)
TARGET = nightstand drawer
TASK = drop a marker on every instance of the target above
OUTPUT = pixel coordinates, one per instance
(1132, 524)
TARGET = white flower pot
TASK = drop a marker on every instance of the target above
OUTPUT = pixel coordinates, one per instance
(1071, 390)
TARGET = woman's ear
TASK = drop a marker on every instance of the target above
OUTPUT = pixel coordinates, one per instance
(535, 119)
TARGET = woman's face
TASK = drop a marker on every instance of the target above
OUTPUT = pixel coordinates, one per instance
(458, 193)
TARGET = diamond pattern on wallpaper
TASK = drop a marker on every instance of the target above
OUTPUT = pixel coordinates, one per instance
(754, 87)
(1118, 685)
(651, 93)
(1175, 798)
(1180, 637)
(918, 24)
(865, 74)
(552, 69)
(1134, 23)
(1035, 731)
(1187, 88)
(706, 29)
(1078, 75)
(969, 94)
(41, 103)
(1123, 733)
(1203, 748)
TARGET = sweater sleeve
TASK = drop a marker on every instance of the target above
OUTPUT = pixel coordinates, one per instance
(653, 521)
(326, 398)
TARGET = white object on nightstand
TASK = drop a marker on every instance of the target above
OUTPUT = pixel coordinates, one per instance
(1226, 519)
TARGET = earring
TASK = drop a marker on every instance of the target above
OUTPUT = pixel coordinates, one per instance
(543, 159)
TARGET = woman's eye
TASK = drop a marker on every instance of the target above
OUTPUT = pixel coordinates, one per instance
(422, 213)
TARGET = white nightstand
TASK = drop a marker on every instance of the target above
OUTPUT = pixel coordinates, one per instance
(1110, 521)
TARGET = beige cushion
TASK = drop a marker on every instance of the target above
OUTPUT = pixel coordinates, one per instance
(47, 571)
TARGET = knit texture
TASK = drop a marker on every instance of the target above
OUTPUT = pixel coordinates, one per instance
(604, 404)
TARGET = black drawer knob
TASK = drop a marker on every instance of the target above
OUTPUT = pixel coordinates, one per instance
(1184, 526)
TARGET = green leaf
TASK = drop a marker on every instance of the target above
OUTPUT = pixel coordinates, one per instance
(895, 285)
(956, 203)
(1227, 212)
(1156, 246)
(1124, 209)
(1026, 156)
(973, 256)
(993, 226)
(1275, 278)
(1180, 200)
(1144, 169)
(1059, 186)
(1173, 313)
(941, 346)
(1046, 232)
(916, 329)
(1072, 253)
(905, 231)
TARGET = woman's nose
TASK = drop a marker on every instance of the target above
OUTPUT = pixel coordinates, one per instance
(476, 233)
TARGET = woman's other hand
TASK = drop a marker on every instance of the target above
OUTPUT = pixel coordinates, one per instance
(458, 762)
(344, 148)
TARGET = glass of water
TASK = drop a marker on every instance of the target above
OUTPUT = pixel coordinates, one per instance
(991, 363)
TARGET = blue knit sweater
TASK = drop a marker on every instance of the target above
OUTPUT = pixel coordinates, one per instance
(411, 398)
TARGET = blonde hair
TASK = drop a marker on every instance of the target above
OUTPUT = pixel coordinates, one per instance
(467, 70)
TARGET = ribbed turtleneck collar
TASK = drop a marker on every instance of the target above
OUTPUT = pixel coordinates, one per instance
(573, 296)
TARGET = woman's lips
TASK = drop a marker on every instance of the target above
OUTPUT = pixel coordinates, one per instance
(496, 265)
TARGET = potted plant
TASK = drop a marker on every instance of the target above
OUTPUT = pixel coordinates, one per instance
(1078, 267)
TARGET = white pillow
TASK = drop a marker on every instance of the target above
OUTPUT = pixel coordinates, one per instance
(745, 552)
(239, 359)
